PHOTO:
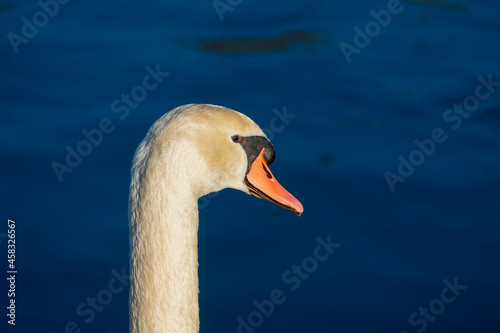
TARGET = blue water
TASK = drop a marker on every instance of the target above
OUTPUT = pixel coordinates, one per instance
(348, 125)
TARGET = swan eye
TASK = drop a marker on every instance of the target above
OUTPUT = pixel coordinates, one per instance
(236, 138)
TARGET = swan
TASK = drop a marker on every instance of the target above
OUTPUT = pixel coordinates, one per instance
(189, 152)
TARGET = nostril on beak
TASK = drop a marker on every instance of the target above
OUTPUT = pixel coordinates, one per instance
(268, 174)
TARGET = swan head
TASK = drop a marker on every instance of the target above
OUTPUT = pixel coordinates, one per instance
(218, 148)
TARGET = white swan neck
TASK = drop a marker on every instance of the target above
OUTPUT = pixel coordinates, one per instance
(164, 253)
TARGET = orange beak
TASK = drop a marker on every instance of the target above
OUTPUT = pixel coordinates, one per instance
(261, 183)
